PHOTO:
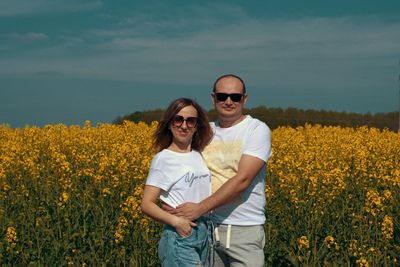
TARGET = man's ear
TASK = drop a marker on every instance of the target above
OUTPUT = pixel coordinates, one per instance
(245, 99)
(213, 98)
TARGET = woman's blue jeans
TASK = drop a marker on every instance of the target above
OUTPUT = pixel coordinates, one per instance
(174, 250)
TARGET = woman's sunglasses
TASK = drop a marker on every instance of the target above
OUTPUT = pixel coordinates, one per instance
(221, 97)
(178, 120)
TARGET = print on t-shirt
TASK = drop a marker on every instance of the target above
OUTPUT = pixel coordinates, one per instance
(222, 158)
(190, 177)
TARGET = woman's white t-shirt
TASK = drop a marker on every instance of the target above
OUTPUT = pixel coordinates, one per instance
(182, 177)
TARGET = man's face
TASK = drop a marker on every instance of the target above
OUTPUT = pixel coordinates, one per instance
(228, 108)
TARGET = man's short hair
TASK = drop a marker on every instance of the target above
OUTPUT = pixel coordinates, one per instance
(230, 75)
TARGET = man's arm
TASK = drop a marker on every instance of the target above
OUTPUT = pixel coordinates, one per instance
(249, 166)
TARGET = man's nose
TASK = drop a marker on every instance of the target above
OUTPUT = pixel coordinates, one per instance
(229, 101)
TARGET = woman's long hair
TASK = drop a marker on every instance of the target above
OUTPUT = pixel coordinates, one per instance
(163, 135)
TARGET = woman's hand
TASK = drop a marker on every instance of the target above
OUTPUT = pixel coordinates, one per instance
(183, 226)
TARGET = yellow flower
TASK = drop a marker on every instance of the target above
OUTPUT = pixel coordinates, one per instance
(106, 191)
(122, 221)
(119, 232)
(11, 235)
(387, 194)
(330, 241)
(119, 235)
(353, 247)
(311, 168)
(387, 227)
(371, 250)
(144, 223)
(11, 238)
(303, 242)
(63, 199)
(5, 187)
(362, 262)
(374, 203)
(87, 124)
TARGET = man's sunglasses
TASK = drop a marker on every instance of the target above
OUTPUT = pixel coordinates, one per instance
(178, 120)
(221, 97)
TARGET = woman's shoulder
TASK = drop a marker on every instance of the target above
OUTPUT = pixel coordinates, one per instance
(160, 156)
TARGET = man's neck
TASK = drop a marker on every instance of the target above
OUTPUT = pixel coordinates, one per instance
(226, 123)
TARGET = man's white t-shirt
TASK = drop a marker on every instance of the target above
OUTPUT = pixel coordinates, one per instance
(251, 137)
(183, 177)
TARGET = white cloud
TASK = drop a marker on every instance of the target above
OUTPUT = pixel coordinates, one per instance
(344, 51)
(311, 58)
(29, 37)
(345, 36)
(32, 7)
(310, 52)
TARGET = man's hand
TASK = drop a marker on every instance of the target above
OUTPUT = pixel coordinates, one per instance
(189, 210)
(167, 208)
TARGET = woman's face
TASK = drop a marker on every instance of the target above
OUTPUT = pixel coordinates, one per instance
(183, 126)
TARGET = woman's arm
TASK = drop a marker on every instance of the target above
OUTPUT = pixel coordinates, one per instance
(149, 206)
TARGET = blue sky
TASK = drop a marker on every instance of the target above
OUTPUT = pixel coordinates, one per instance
(66, 61)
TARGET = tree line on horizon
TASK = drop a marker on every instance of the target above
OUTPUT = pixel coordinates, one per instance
(291, 116)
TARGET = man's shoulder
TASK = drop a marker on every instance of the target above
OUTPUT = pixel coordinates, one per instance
(248, 124)
(256, 123)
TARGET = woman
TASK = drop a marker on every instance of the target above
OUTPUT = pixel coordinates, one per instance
(178, 174)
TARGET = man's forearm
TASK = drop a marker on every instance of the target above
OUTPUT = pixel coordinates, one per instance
(225, 194)
(248, 168)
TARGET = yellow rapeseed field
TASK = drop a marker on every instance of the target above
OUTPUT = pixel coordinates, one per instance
(70, 196)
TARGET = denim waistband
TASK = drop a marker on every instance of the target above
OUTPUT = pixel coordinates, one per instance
(205, 219)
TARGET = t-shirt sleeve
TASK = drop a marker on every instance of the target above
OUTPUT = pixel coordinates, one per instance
(157, 176)
(158, 179)
(258, 143)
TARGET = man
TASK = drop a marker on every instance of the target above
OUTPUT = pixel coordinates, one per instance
(237, 158)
